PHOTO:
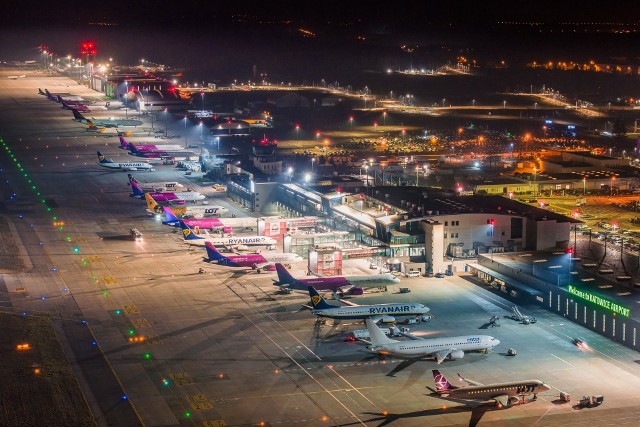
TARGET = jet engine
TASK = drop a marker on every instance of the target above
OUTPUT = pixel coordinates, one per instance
(356, 291)
(456, 354)
(387, 319)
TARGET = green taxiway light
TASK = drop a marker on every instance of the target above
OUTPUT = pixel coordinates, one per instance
(118, 312)
(131, 332)
(76, 249)
(105, 293)
(187, 414)
(165, 382)
(147, 355)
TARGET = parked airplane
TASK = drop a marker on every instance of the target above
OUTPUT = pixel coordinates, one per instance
(109, 122)
(202, 223)
(158, 154)
(156, 186)
(125, 166)
(129, 146)
(193, 239)
(54, 96)
(257, 262)
(76, 106)
(376, 312)
(352, 284)
(179, 196)
(452, 348)
(504, 394)
(184, 210)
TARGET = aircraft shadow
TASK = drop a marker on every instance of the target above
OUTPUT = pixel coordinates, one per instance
(387, 418)
(118, 237)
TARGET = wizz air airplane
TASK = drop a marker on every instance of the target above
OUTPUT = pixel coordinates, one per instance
(156, 186)
(504, 394)
(257, 262)
(55, 96)
(77, 106)
(451, 348)
(376, 312)
(129, 146)
(186, 211)
(202, 223)
(352, 284)
(193, 239)
(124, 166)
(108, 123)
(179, 196)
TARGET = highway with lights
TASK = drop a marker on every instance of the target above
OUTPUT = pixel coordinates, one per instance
(154, 342)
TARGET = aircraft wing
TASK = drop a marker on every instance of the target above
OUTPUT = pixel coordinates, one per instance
(346, 288)
(352, 304)
(442, 354)
(470, 382)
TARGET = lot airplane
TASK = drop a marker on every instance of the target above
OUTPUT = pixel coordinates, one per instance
(202, 223)
(257, 262)
(451, 348)
(376, 312)
(108, 123)
(179, 196)
(156, 186)
(193, 239)
(129, 146)
(125, 166)
(184, 210)
(352, 284)
(504, 394)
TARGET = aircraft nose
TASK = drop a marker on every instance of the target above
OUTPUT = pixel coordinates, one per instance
(495, 342)
(546, 387)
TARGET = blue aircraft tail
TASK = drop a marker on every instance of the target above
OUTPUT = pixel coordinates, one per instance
(77, 115)
(131, 178)
(187, 232)
(136, 191)
(40, 92)
(169, 216)
(214, 255)
(284, 277)
(103, 159)
(317, 301)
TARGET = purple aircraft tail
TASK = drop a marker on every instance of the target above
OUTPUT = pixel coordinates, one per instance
(136, 191)
(442, 384)
(169, 216)
(284, 277)
(124, 144)
(77, 115)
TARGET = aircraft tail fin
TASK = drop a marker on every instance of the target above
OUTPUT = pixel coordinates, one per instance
(377, 336)
(77, 115)
(442, 384)
(59, 99)
(317, 302)
(124, 144)
(40, 92)
(284, 277)
(131, 178)
(188, 234)
(169, 216)
(213, 254)
(152, 205)
(102, 158)
(132, 148)
(136, 191)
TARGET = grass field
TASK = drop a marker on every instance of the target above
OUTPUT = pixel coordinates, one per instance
(48, 397)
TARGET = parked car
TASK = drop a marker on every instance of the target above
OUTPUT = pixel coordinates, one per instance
(413, 273)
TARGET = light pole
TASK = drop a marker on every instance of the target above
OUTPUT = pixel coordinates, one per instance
(126, 99)
(443, 102)
(165, 122)
(366, 170)
(473, 102)
(417, 171)
(384, 118)
(297, 131)
(152, 115)
(313, 159)
(185, 132)
(535, 186)
(290, 172)
(535, 105)
(202, 100)
(613, 178)
(504, 104)
(351, 122)
(201, 128)
(218, 142)
(584, 185)
(403, 132)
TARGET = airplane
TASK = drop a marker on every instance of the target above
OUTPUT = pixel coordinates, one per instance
(257, 262)
(129, 146)
(185, 211)
(109, 123)
(158, 154)
(55, 96)
(125, 166)
(376, 312)
(79, 107)
(67, 102)
(193, 239)
(179, 196)
(202, 223)
(504, 394)
(451, 348)
(156, 186)
(352, 284)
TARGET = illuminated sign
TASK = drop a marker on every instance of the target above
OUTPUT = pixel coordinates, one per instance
(599, 301)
